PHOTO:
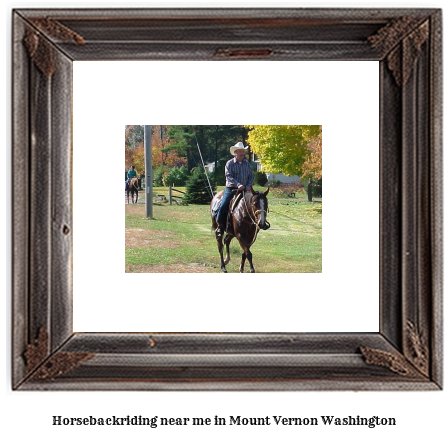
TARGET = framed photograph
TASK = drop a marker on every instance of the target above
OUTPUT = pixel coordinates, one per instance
(189, 178)
(51, 353)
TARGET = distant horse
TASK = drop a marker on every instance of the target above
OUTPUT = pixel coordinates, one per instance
(133, 188)
(244, 222)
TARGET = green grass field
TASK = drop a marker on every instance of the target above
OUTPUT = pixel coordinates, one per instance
(180, 239)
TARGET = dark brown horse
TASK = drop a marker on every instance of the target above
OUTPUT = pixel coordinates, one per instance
(244, 222)
(132, 187)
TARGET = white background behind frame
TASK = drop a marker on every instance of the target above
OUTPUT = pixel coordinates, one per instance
(342, 96)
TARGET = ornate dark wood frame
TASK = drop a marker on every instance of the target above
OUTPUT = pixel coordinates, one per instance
(406, 354)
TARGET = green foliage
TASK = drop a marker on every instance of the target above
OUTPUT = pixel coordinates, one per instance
(261, 179)
(157, 176)
(219, 173)
(177, 176)
(214, 142)
(220, 177)
(198, 191)
(316, 187)
(282, 148)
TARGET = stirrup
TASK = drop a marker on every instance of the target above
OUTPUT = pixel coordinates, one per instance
(219, 231)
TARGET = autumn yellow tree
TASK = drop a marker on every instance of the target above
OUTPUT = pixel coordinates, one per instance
(312, 167)
(290, 149)
(283, 148)
(135, 152)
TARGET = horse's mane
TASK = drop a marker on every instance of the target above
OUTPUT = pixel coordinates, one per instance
(255, 193)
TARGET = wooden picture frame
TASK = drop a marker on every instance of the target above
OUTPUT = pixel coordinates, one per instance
(406, 353)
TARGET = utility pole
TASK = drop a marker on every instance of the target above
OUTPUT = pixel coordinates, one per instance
(148, 171)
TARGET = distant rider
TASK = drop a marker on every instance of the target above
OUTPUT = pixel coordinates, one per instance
(131, 174)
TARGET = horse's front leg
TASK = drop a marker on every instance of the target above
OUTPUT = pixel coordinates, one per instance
(249, 258)
(243, 260)
(246, 254)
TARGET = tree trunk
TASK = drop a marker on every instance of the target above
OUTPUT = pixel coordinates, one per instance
(310, 190)
(188, 160)
(161, 142)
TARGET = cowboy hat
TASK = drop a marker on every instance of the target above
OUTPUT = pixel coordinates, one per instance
(238, 146)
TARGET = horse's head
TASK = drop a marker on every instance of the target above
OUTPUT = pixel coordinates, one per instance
(259, 207)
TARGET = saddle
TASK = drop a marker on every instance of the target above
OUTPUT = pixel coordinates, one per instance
(128, 183)
(233, 203)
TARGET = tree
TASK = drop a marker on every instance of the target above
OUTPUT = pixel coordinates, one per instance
(134, 136)
(133, 148)
(163, 154)
(214, 142)
(138, 160)
(224, 137)
(177, 176)
(312, 168)
(282, 148)
(182, 141)
(198, 191)
(160, 141)
(261, 179)
(134, 154)
(290, 149)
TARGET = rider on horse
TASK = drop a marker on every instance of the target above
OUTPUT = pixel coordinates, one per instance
(131, 174)
(239, 176)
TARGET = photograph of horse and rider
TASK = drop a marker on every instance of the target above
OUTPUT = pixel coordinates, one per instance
(225, 198)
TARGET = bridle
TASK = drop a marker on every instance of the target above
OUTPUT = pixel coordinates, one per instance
(266, 226)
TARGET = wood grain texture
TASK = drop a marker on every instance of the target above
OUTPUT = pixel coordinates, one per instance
(406, 354)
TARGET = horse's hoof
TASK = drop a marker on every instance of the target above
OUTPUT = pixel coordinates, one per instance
(252, 271)
(224, 271)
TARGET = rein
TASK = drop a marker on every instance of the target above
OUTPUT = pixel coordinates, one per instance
(253, 220)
